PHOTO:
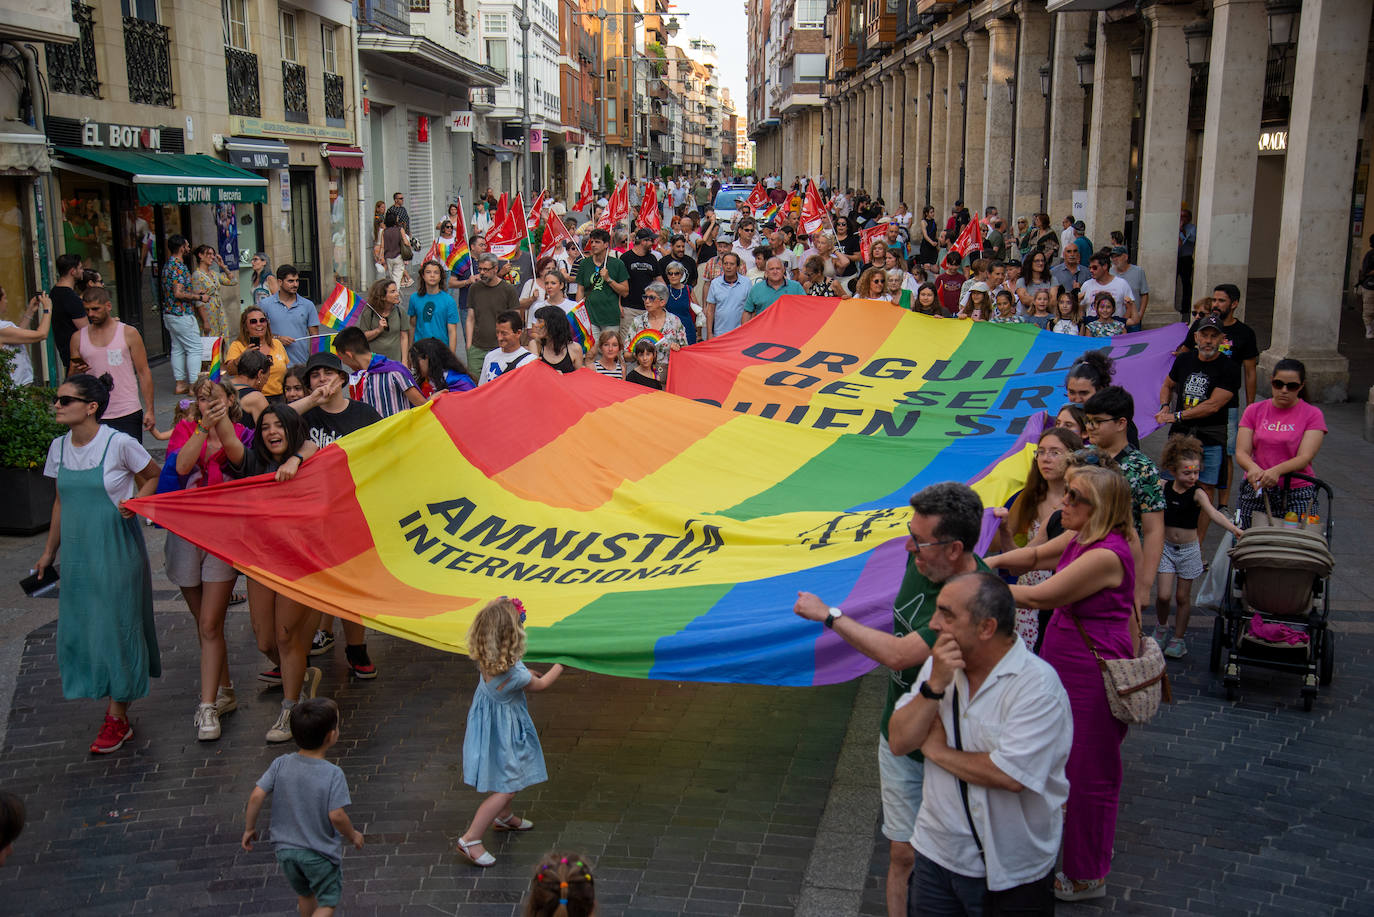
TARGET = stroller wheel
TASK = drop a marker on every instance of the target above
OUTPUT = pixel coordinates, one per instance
(1218, 644)
(1328, 658)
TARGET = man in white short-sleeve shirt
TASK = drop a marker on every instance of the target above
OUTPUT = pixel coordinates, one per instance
(1100, 266)
(1015, 729)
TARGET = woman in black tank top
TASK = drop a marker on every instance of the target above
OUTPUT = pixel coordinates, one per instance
(551, 339)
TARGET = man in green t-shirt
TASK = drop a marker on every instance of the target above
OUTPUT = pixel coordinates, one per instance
(603, 279)
(945, 524)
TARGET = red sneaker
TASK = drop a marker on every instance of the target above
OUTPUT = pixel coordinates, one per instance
(113, 735)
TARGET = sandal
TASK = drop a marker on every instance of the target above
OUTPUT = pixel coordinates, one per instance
(514, 823)
(237, 598)
(1066, 889)
(464, 846)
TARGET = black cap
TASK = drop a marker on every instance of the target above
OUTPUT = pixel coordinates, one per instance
(1213, 322)
(326, 361)
(645, 234)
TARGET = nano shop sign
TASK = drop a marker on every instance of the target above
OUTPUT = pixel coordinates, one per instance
(121, 136)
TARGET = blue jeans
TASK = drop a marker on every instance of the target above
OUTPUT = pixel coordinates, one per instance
(935, 891)
(186, 349)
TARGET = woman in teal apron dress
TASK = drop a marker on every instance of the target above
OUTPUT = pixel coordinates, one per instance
(106, 640)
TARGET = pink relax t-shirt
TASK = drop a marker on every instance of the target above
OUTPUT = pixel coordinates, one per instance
(1278, 433)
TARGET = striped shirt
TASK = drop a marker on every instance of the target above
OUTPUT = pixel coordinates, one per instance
(614, 370)
(384, 385)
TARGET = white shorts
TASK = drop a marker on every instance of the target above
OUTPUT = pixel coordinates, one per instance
(902, 779)
(188, 565)
(1183, 559)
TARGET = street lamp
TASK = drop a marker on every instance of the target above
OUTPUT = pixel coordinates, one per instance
(1283, 15)
(1085, 60)
(1137, 60)
(1011, 90)
(963, 92)
(1044, 81)
(1197, 35)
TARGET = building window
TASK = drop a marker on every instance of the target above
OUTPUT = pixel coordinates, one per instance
(331, 54)
(139, 9)
(496, 55)
(235, 14)
(810, 68)
(288, 36)
(419, 6)
(71, 68)
(810, 14)
(495, 23)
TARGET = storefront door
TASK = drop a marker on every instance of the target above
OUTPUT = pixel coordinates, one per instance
(305, 242)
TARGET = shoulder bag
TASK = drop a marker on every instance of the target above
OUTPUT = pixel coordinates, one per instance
(1134, 686)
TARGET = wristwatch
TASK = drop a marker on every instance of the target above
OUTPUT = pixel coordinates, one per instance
(927, 691)
(835, 615)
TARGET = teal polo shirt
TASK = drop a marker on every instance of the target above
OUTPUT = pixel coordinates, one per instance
(761, 295)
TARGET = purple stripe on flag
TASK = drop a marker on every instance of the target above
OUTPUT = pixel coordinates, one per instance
(869, 602)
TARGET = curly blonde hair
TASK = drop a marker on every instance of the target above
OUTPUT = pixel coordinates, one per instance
(496, 641)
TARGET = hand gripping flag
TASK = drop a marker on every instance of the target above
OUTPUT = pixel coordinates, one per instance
(588, 194)
(554, 232)
(617, 209)
(649, 216)
(813, 214)
(758, 198)
(970, 239)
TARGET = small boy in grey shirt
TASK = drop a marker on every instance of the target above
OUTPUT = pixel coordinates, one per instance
(309, 824)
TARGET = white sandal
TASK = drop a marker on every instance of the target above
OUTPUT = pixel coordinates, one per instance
(486, 859)
(1066, 889)
(521, 824)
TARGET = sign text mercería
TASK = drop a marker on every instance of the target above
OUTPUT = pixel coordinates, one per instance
(121, 136)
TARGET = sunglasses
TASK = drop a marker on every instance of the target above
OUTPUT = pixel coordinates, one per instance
(256, 321)
(1074, 498)
(1285, 386)
(69, 400)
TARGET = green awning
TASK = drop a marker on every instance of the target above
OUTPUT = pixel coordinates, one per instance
(177, 178)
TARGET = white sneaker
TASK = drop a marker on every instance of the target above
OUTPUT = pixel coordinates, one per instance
(226, 701)
(281, 729)
(207, 723)
(1177, 648)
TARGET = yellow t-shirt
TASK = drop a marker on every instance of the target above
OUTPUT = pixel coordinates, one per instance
(276, 373)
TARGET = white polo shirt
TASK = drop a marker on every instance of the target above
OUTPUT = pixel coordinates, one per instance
(1021, 716)
(1117, 286)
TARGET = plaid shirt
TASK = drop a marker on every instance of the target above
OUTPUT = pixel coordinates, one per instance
(176, 272)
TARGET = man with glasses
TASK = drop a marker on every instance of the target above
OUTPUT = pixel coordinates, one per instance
(1108, 415)
(945, 524)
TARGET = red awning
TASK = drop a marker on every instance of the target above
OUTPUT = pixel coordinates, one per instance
(344, 157)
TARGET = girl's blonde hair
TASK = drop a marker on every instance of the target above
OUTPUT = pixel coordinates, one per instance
(496, 641)
(205, 385)
(1111, 496)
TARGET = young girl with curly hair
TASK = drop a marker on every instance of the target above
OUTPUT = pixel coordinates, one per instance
(562, 887)
(501, 750)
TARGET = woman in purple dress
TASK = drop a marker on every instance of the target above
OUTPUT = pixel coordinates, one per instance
(1093, 585)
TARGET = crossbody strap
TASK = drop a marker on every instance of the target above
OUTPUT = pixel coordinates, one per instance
(963, 787)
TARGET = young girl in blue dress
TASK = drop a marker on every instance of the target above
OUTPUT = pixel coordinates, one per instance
(501, 751)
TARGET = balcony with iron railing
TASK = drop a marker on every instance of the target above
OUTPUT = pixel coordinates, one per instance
(148, 56)
(333, 99)
(658, 124)
(72, 68)
(294, 94)
(383, 16)
(241, 67)
(482, 98)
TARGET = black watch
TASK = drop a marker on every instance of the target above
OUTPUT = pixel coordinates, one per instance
(927, 691)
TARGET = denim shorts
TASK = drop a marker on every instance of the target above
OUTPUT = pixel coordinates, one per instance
(312, 875)
(902, 779)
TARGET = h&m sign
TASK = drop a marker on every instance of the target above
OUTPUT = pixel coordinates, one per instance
(120, 136)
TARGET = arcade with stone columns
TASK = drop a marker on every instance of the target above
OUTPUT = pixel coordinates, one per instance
(1246, 112)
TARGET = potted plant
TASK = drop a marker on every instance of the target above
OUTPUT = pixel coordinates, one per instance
(27, 428)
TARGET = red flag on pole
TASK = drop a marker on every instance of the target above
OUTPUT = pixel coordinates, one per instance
(588, 194)
(757, 198)
(502, 206)
(866, 237)
(649, 216)
(537, 211)
(971, 239)
(617, 209)
(813, 210)
(505, 237)
(554, 232)
(517, 209)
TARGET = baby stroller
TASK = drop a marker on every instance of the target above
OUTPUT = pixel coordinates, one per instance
(1277, 600)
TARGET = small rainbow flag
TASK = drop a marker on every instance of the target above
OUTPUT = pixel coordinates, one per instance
(340, 310)
(216, 360)
(456, 256)
(648, 334)
(581, 326)
(770, 214)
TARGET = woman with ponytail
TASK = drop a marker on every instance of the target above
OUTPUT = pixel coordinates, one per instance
(106, 641)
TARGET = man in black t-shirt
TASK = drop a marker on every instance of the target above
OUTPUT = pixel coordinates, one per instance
(329, 414)
(678, 252)
(1194, 398)
(642, 265)
(68, 312)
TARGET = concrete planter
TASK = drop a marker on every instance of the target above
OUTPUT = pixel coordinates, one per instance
(26, 507)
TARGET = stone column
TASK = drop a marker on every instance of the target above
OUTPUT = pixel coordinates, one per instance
(847, 132)
(975, 131)
(884, 139)
(1066, 115)
(911, 159)
(827, 125)
(1323, 128)
(918, 150)
(1163, 150)
(895, 144)
(939, 129)
(1230, 145)
(864, 132)
(1109, 137)
(1000, 119)
(1029, 167)
(955, 73)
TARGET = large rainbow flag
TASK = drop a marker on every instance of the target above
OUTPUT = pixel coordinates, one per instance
(652, 535)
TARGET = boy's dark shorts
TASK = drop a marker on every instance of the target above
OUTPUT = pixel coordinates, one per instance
(312, 874)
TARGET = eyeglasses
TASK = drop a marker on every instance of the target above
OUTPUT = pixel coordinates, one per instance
(1074, 498)
(1092, 423)
(1050, 453)
(1279, 384)
(918, 545)
(69, 400)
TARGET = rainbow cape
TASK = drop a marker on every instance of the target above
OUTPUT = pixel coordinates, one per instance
(677, 554)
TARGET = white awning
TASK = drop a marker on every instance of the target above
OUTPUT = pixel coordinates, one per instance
(23, 151)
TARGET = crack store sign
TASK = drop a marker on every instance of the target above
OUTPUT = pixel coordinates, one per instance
(121, 136)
